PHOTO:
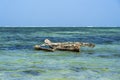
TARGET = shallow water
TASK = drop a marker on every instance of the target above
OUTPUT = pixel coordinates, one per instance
(19, 61)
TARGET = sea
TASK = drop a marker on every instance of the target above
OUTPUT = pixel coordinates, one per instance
(19, 60)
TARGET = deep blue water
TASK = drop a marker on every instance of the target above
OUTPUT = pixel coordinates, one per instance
(19, 61)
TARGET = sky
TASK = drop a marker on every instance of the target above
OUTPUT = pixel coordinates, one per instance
(60, 13)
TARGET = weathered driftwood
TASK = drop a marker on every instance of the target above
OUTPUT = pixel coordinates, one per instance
(66, 46)
(38, 47)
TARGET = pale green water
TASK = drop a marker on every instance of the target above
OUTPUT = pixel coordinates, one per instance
(19, 61)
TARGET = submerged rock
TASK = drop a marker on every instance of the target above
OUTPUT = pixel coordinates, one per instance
(32, 72)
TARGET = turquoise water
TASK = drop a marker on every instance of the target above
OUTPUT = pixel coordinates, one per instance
(19, 61)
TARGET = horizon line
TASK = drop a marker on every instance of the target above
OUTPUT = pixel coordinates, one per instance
(59, 26)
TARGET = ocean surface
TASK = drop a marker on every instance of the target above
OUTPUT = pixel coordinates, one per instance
(19, 61)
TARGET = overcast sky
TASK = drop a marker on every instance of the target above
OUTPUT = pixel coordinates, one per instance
(60, 12)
